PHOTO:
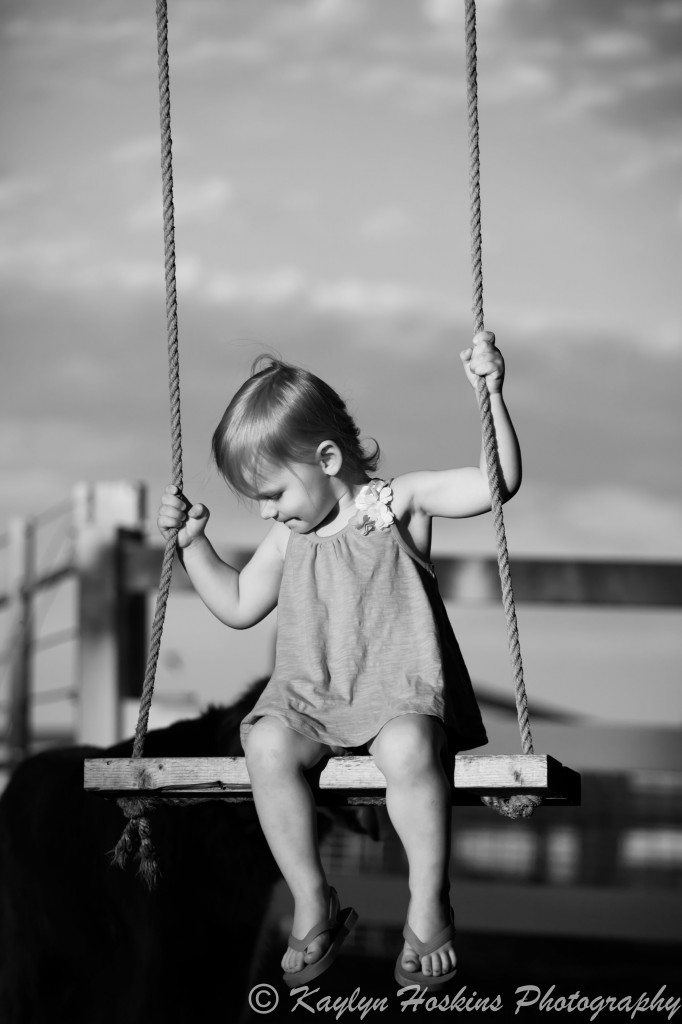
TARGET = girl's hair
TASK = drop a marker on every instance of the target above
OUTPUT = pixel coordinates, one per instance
(280, 415)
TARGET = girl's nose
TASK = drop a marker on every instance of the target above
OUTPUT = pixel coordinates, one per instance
(267, 509)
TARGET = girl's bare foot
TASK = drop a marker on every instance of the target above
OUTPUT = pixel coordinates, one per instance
(307, 914)
(426, 920)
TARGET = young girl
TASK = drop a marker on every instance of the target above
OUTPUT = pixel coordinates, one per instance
(366, 658)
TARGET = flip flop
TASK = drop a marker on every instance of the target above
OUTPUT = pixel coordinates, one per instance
(430, 981)
(338, 924)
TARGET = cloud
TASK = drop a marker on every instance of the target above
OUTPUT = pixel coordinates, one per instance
(202, 199)
(449, 13)
(623, 519)
(17, 191)
(137, 151)
(71, 263)
(578, 273)
(606, 520)
(67, 264)
(596, 423)
(299, 295)
(620, 43)
(334, 13)
(616, 59)
(361, 298)
(229, 53)
(28, 491)
(387, 224)
(635, 162)
(421, 90)
(278, 287)
(44, 33)
(43, 455)
(615, 65)
(399, 80)
(47, 262)
(214, 37)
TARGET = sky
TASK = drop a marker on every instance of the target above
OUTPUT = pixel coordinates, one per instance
(322, 212)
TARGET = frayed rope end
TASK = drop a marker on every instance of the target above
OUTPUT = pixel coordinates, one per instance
(520, 805)
(137, 834)
(124, 847)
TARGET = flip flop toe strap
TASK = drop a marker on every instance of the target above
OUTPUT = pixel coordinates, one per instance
(424, 948)
(327, 925)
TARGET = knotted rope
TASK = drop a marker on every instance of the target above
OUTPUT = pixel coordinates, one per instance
(521, 805)
(137, 833)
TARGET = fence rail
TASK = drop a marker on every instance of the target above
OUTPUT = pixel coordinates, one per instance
(475, 580)
(115, 566)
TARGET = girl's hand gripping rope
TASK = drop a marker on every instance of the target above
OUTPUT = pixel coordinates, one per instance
(484, 359)
(178, 513)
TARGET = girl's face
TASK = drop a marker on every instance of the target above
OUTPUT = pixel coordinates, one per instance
(301, 494)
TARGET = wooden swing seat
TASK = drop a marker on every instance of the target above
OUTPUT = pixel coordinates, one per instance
(339, 780)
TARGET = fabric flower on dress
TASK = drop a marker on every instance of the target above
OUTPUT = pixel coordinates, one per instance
(373, 504)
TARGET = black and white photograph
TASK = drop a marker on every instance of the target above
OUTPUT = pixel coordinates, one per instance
(340, 511)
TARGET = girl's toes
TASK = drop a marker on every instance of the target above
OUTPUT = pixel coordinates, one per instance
(444, 961)
(292, 961)
(435, 963)
(432, 966)
(427, 966)
(317, 948)
(445, 965)
(297, 961)
(410, 959)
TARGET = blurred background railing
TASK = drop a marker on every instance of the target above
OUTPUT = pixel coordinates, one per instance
(77, 584)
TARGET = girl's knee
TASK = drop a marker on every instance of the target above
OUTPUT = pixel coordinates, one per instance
(408, 746)
(267, 742)
(271, 746)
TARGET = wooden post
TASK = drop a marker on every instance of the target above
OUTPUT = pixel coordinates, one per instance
(600, 833)
(20, 593)
(102, 512)
(132, 626)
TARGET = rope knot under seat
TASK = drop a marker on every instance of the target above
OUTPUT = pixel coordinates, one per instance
(520, 805)
(136, 839)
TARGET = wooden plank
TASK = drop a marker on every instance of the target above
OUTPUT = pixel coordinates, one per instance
(342, 779)
(44, 580)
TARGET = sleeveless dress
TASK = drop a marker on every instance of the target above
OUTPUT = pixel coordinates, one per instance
(363, 637)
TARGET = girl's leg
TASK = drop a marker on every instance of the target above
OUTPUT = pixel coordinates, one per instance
(276, 757)
(409, 751)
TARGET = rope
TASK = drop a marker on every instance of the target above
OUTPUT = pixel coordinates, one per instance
(137, 833)
(520, 805)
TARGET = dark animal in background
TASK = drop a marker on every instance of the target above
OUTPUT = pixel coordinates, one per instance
(84, 942)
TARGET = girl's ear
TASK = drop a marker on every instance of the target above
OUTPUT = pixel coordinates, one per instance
(329, 457)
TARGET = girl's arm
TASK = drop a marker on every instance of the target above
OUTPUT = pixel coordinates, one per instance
(239, 599)
(457, 493)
